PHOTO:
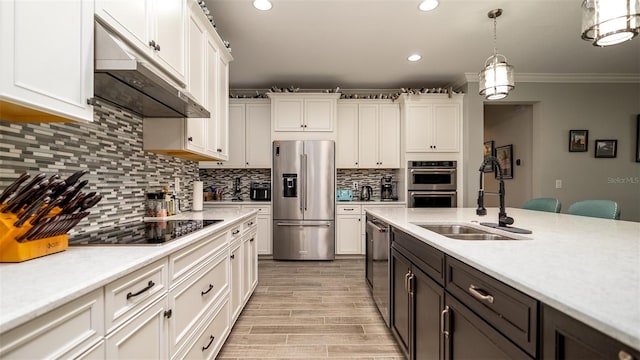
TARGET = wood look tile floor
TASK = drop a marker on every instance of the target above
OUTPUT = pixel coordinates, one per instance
(311, 310)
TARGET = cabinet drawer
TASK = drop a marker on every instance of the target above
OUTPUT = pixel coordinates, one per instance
(186, 260)
(429, 259)
(507, 309)
(235, 233)
(212, 335)
(262, 209)
(249, 224)
(65, 332)
(130, 294)
(348, 209)
(192, 299)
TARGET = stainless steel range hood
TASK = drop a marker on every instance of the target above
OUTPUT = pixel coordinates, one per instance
(126, 79)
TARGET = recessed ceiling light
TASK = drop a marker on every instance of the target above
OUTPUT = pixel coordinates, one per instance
(262, 4)
(414, 57)
(428, 5)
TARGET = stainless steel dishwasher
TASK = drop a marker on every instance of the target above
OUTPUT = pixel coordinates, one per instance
(377, 269)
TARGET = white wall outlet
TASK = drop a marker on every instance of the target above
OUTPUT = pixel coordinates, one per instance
(558, 184)
(176, 185)
(355, 185)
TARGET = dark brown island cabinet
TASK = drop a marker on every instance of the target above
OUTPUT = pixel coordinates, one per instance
(442, 308)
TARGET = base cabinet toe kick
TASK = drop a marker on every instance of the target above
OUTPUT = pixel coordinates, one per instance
(442, 308)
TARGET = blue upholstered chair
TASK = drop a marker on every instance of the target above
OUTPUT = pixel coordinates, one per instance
(605, 209)
(543, 204)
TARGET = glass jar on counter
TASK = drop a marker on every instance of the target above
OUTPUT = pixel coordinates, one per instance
(155, 205)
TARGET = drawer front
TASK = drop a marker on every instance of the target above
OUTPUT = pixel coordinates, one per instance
(65, 332)
(130, 294)
(235, 233)
(210, 339)
(249, 224)
(429, 259)
(348, 209)
(188, 259)
(507, 309)
(262, 209)
(194, 297)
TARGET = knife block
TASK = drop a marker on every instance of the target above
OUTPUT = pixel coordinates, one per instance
(12, 251)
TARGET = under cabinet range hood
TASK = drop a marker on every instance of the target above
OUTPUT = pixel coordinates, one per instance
(126, 79)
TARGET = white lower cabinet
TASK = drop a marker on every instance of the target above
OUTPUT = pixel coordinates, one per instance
(179, 307)
(66, 332)
(144, 336)
(264, 233)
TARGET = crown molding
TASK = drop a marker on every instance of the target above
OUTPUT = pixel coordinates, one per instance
(560, 78)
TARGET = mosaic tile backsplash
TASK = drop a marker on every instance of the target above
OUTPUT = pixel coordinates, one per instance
(110, 148)
(345, 178)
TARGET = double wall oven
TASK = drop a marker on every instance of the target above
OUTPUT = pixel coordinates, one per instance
(432, 184)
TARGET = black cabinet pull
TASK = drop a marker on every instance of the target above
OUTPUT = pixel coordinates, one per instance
(168, 314)
(233, 256)
(251, 239)
(211, 338)
(190, 138)
(149, 286)
(203, 293)
(249, 224)
(157, 47)
(219, 150)
(235, 232)
(152, 43)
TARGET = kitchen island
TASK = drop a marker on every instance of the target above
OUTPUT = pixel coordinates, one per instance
(587, 268)
(40, 286)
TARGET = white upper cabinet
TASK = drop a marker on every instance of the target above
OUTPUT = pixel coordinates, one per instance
(433, 123)
(347, 137)
(46, 69)
(368, 134)
(250, 131)
(155, 27)
(303, 112)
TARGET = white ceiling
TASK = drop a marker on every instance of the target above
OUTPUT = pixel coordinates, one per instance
(363, 44)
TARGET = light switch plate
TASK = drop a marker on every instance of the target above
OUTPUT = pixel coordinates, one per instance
(558, 184)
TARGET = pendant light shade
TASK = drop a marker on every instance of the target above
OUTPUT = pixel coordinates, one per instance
(496, 79)
(610, 22)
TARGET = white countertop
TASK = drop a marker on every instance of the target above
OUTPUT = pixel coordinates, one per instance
(371, 203)
(588, 268)
(231, 202)
(34, 287)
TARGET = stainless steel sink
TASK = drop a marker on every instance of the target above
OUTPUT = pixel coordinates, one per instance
(462, 232)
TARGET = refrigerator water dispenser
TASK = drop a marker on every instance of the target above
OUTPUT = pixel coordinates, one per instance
(290, 185)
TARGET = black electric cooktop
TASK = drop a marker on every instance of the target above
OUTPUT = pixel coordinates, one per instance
(142, 233)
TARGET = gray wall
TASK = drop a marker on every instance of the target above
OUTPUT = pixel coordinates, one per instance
(608, 111)
(510, 125)
(110, 148)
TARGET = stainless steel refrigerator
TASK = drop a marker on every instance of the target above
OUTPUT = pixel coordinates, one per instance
(303, 194)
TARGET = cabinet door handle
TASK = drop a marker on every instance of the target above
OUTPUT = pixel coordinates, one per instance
(157, 47)
(150, 284)
(350, 209)
(411, 283)
(168, 314)
(219, 150)
(236, 232)
(203, 293)
(233, 256)
(623, 355)
(480, 294)
(211, 338)
(190, 138)
(406, 280)
(442, 322)
(152, 43)
(251, 223)
(250, 240)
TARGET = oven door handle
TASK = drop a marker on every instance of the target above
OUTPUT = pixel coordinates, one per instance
(430, 193)
(433, 171)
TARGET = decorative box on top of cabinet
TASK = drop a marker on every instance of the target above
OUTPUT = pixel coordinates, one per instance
(432, 123)
(368, 134)
(61, 89)
(155, 27)
(250, 129)
(303, 112)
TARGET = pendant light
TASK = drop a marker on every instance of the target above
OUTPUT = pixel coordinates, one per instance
(610, 22)
(496, 79)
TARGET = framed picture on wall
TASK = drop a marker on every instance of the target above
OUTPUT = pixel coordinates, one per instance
(578, 140)
(505, 158)
(606, 148)
(488, 151)
(638, 139)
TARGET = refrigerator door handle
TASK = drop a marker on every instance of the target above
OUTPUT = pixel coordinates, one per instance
(304, 169)
(301, 184)
(298, 224)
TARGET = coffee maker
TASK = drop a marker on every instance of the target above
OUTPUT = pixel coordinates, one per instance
(388, 189)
